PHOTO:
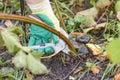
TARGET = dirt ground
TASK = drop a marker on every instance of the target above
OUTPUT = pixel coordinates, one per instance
(74, 67)
(64, 67)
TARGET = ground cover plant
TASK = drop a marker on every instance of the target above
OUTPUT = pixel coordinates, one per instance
(94, 30)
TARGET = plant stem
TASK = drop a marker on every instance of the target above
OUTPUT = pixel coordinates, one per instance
(43, 25)
(60, 16)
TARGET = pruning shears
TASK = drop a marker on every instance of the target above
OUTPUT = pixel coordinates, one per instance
(64, 45)
(61, 46)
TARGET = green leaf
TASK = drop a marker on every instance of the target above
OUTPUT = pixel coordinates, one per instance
(102, 3)
(117, 6)
(35, 66)
(13, 1)
(1, 63)
(11, 40)
(0, 76)
(93, 2)
(6, 70)
(113, 50)
(19, 59)
(17, 5)
(118, 28)
(82, 20)
(37, 55)
(71, 22)
(16, 30)
(89, 64)
(1, 5)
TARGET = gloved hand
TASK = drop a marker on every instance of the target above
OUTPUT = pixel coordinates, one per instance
(39, 36)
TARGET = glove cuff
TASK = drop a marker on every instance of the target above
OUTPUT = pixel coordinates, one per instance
(38, 6)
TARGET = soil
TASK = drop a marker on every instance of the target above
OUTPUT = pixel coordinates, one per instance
(74, 67)
(61, 67)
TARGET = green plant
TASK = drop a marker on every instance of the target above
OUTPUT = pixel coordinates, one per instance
(108, 70)
(9, 6)
(10, 37)
(74, 24)
(112, 30)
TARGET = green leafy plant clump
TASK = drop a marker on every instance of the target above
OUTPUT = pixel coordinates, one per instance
(74, 24)
(24, 57)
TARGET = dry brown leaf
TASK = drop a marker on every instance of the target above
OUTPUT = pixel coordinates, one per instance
(79, 70)
(97, 26)
(28, 75)
(76, 34)
(95, 70)
(117, 76)
(101, 58)
(95, 49)
(103, 3)
(118, 16)
(101, 25)
(72, 78)
(90, 14)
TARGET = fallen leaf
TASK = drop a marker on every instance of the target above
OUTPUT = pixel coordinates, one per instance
(101, 58)
(118, 16)
(95, 70)
(72, 78)
(76, 34)
(103, 3)
(97, 26)
(88, 12)
(101, 25)
(28, 75)
(89, 15)
(95, 49)
(117, 76)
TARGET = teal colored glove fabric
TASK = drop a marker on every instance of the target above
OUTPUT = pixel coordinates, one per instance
(39, 35)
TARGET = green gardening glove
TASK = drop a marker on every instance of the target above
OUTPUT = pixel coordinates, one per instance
(39, 35)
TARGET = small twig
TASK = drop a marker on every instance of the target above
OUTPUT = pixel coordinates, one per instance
(103, 14)
(71, 71)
